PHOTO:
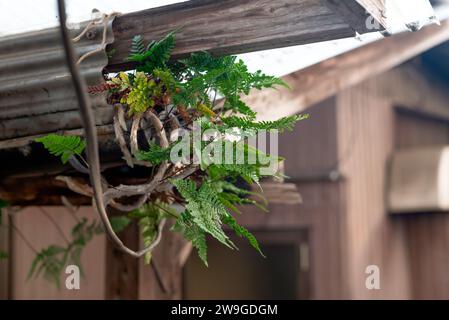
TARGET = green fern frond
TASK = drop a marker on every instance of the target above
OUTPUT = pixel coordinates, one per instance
(150, 215)
(50, 261)
(249, 172)
(166, 77)
(3, 255)
(155, 154)
(242, 232)
(137, 46)
(205, 208)
(247, 123)
(156, 55)
(231, 195)
(193, 233)
(63, 146)
(119, 223)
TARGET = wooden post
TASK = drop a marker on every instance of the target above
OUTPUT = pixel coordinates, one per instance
(128, 278)
(5, 263)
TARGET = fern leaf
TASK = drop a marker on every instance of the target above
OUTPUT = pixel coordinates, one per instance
(155, 155)
(242, 232)
(3, 204)
(63, 146)
(193, 233)
(247, 123)
(205, 209)
(137, 45)
(150, 215)
(3, 255)
(119, 223)
(156, 55)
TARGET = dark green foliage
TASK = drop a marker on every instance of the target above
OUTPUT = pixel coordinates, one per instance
(155, 56)
(247, 123)
(205, 209)
(193, 233)
(137, 46)
(231, 196)
(206, 212)
(51, 261)
(242, 232)
(191, 87)
(63, 146)
(119, 223)
(155, 155)
(149, 217)
(3, 204)
(228, 77)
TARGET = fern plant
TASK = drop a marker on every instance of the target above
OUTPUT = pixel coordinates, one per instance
(198, 93)
(63, 146)
(155, 56)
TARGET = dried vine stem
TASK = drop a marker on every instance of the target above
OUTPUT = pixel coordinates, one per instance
(143, 189)
(105, 18)
(92, 140)
(134, 130)
(118, 129)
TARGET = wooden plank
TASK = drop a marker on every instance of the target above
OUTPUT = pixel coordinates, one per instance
(325, 79)
(377, 9)
(44, 189)
(356, 15)
(230, 26)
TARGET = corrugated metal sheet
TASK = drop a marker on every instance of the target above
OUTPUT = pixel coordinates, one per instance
(36, 93)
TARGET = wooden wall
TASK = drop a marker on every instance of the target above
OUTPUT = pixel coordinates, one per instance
(312, 153)
(427, 233)
(411, 251)
(108, 274)
(40, 232)
(365, 132)
(340, 160)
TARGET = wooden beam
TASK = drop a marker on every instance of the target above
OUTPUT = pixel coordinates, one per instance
(44, 189)
(356, 15)
(232, 26)
(325, 79)
(377, 9)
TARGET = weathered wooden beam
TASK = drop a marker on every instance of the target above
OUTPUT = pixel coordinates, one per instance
(377, 9)
(38, 103)
(355, 14)
(44, 189)
(325, 79)
(233, 26)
